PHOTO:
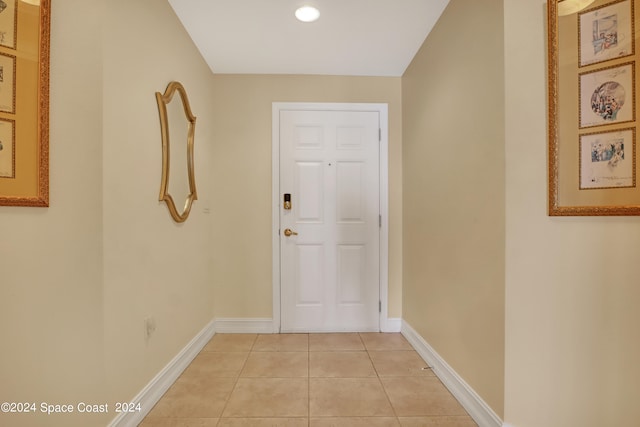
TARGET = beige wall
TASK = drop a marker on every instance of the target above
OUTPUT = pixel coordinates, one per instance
(454, 203)
(241, 179)
(572, 291)
(152, 266)
(78, 278)
(51, 258)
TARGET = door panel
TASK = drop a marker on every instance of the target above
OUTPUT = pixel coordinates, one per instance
(309, 185)
(329, 163)
(351, 274)
(350, 192)
(309, 274)
(309, 137)
(349, 138)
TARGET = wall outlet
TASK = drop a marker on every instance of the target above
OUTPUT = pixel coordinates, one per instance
(149, 326)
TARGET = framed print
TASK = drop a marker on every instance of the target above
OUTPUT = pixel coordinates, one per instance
(24, 104)
(606, 32)
(607, 159)
(7, 83)
(8, 23)
(7, 148)
(592, 114)
(607, 95)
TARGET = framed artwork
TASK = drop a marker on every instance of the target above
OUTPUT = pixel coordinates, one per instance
(8, 23)
(592, 114)
(606, 32)
(7, 148)
(607, 96)
(24, 103)
(607, 159)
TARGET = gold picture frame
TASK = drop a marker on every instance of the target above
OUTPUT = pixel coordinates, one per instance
(24, 103)
(585, 93)
(174, 118)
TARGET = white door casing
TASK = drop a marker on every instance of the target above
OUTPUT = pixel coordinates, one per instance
(332, 275)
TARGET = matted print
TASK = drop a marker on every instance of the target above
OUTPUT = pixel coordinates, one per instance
(7, 83)
(607, 159)
(607, 96)
(606, 33)
(8, 23)
(7, 148)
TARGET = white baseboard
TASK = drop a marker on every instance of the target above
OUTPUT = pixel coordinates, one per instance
(245, 326)
(267, 326)
(481, 413)
(391, 325)
(153, 391)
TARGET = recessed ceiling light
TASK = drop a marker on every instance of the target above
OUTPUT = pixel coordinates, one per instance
(307, 14)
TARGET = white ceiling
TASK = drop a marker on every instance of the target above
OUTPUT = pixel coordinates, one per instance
(352, 37)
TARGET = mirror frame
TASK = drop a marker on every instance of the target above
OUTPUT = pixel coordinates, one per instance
(556, 207)
(162, 100)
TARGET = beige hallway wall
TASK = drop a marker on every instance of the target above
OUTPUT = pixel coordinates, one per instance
(78, 278)
(152, 266)
(572, 291)
(454, 204)
(51, 258)
(241, 180)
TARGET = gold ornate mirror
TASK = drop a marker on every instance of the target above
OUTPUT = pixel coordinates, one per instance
(177, 124)
(593, 84)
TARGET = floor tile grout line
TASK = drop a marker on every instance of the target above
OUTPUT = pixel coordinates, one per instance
(224, 407)
(283, 349)
(395, 413)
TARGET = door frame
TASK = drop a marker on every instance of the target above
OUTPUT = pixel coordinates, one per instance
(383, 111)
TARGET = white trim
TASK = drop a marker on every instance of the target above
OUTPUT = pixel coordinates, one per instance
(328, 331)
(391, 325)
(383, 111)
(244, 326)
(267, 326)
(384, 321)
(153, 391)
(275, 213)
(481, 413)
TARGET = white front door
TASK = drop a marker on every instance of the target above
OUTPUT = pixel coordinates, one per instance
(330, 259)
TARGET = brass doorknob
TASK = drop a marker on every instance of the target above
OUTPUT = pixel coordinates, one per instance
(289, 232)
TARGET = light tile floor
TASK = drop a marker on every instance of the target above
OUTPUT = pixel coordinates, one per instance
(310, 380)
